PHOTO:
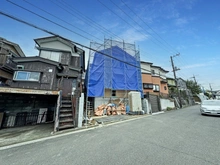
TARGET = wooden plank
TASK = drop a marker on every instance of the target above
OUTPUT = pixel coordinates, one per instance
(27, 91)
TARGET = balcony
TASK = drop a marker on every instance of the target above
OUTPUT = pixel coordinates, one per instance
(7, 63)
(163, 81)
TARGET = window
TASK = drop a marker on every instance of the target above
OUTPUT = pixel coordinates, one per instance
(113, 92)
(147, 86)
(54, 56)
(26, 76)
(156, 88)
(165, 88)
(152, 71)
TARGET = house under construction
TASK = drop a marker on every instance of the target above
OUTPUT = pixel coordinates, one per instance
(113, 71)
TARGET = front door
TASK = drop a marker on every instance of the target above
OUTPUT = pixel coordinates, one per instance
(67, 87)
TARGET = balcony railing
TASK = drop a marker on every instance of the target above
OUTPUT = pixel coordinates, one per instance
(6, 61)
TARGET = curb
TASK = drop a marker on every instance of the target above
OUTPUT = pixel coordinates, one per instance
(61, 134)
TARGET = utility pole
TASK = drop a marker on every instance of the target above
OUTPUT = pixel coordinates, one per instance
(211, 89)
(194, 79)
(174, 72)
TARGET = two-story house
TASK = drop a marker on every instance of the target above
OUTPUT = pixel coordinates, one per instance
(154, 79)
(171, 83)
(8, 50)
(154, 85)
(38, 81)
(184, 93)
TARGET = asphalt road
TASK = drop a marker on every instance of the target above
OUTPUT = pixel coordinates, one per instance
(172, 138)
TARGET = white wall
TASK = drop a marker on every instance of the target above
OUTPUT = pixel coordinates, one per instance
(56, 45)
(145, 66)
(156, 70)
(166, 103)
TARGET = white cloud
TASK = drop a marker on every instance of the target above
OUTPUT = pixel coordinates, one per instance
(195, 66)
(208, 62)
(131, 35)
(181, 21)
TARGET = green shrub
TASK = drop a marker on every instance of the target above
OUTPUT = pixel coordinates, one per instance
(169, 108)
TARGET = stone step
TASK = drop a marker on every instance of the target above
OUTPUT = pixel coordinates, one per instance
(66, 102)
(66, 111)
(66, 126)
(66, 105)
(66, 120)
(66, 114)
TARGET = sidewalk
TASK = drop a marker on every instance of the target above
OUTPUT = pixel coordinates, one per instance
(9, 136)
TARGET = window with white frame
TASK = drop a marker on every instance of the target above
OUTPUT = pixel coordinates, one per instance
(54, 56)
(156, 88)
(26, 76)
(147, 86)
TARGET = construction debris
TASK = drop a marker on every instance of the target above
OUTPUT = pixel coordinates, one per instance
(110, 109)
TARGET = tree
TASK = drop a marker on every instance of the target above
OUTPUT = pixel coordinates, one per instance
(193, 86)
(208, 94)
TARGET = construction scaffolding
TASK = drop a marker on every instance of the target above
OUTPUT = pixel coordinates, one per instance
(113, 70)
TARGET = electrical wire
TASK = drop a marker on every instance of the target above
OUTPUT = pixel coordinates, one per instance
(81, 16)
(140, 25)
(87, 18)
(49, 14)
(76, 43)
(60, 19)
(48, 20)
(131, 25)
(142, 21)
(149, 26)
(37, 15)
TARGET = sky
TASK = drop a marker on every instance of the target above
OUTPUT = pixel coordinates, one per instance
(159, 29)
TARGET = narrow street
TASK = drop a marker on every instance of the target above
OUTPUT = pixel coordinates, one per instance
(175, 137)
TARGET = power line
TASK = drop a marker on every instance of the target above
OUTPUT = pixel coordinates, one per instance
(54, 34)
(148, 26)
(48, 20)
(138, 24)
(68, 5)
(80, 16)
(60, 19)
(182, 61)
(130, 24)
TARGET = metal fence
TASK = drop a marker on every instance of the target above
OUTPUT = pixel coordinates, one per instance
(26, 118)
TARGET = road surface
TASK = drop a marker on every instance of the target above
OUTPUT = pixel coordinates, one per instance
(173, 138)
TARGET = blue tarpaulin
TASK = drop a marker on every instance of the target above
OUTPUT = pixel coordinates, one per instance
(106, 72)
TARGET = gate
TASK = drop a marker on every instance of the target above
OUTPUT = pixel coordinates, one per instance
(155, 103)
